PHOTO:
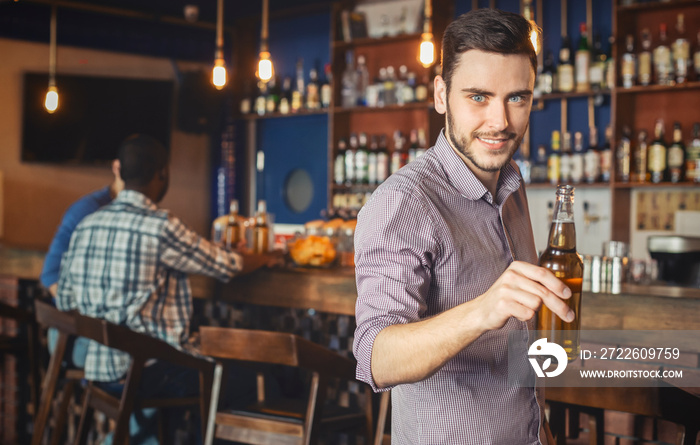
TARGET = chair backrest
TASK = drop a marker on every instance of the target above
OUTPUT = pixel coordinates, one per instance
(49, 316)
(275, 348)
(15, 313)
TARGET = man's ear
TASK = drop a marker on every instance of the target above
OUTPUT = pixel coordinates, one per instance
(440, 95)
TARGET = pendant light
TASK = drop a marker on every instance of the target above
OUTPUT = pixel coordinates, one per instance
(265, 68)
(218, 75)
(51, 101)
(426, 54)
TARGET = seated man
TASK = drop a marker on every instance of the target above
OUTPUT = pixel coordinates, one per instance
(128, 263)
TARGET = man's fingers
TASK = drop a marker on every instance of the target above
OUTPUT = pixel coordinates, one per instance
(544, 277)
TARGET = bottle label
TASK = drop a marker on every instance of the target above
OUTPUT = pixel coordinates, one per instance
(566, 78)
(583, 62)
(675, 156)
(361, 166)
(657, 158)
(339, 169)
(553, 169)
(696, 61)
(590, 165)
(628, 66)
(382, 167)
(645, 68)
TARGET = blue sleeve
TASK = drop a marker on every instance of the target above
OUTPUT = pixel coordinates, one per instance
(75, 213)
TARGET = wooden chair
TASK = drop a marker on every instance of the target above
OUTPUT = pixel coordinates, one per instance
(284, 421)
(382, 437)
(142, 348)
(64, 322)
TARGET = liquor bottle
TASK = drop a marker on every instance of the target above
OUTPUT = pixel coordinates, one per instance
(313, 91)
(645, 59)
(577, 172)
(583, 61)
(422, 143)
(640, 157)
(606, 156)
(663, 64)
(382, 160)
(554, 160)
(591, 160)
(628, 67)
(422, 89)
(232, 234)
(657, 154)
(339, 163)
(696, 58)
(261, 98)
(413, 145)
(361, 160)
(261, 230)
(566, 156)
(350, 160)
(565, 70)
(692, 160)
(524, 163)
(561, 258)
(362, 79)
(286, 97)
(390, 86)
(538, 174)
(610, 74)
(405, 93)
(410, 89)
(624, 151)
(348, 90)
(299, 88)
(272, 99)
(681, 51)
(399, 157)
(676, 155)
(596, 73)
(372, 158)
(326, 89)
(546, 78)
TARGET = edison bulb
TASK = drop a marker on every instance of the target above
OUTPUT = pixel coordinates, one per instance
(265, 68)
(51, 102)
(218, 75)
(427, 50)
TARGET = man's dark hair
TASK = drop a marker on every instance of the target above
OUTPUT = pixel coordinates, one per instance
(489, 30)
(141, 156)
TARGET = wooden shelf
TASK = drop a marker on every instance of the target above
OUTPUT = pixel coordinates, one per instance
(573, 95)
(651, 6)
(647, 185)
(275, 115)
(583, 185)
(338, 44)
(410, 106)
(641, 89)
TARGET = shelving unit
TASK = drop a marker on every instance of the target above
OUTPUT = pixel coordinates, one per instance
(639, 106)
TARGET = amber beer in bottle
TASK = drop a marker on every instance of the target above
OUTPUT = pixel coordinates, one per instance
(561, 258)
(261, 230)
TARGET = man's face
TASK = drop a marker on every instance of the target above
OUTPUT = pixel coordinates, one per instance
(488, 107)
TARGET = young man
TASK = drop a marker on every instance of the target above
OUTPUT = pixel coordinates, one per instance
(128, 263)
(445, 253)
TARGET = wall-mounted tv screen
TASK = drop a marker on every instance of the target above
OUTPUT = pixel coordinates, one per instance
(94, 116)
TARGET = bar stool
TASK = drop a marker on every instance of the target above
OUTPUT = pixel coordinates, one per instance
(142, 348)
(281, 420)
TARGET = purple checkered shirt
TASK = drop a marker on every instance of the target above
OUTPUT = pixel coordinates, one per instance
(430, 238)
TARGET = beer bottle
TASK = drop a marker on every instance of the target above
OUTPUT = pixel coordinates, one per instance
(261, 230)
(233, 228)
(561, 258)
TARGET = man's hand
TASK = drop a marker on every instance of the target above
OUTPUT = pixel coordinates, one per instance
(519, 293)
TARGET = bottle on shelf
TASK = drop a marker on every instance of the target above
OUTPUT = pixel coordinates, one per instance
(261, 230)
(583, 61)
(261, 99)
(565, 70)
(628, 68)
(610, 74)
(566, 157)
(546, 78)
(326, 88)
(313, 91)
(407, 85)
(399, 157)
(554, 160)
(596, 72)
(624, 152)
(524, 163)
(663, 63)
(382, 159)
(591, 160)
(297, 102)
(561, 258)
(350, 160)
(372, 160)
(362, 79)
(232, 234)
(606, 156)
(692, 160)
(286, 97)
(681, 51)
(362, 160)
(538, 174)
(645, 59)
(413, 146)
(348, 90)
(339, 163)
(640, 158)
(696, 58)
(577, 172)
(272, 99)
(390, 86)
(657, 154)
(676, 155)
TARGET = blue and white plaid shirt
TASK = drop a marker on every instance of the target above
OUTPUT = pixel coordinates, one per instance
(128, 263)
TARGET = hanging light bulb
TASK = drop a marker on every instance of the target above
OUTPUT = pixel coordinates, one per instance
(426, 54)
(51, 101)
(218, 74)
(534, 29)
(265, 68)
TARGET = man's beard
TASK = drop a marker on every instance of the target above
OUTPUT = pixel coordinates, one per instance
(463, 145)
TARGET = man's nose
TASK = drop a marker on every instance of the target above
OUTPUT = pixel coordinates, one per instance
(497, 117)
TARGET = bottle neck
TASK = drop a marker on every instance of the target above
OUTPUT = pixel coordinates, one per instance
(562, 234)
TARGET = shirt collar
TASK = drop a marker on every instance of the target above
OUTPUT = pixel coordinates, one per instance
(135, 198)
(464, 180)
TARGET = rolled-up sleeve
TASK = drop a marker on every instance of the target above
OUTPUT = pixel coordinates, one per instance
(395, 247)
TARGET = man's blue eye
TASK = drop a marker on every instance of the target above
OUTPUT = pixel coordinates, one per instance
(516, 99)
(478, 98)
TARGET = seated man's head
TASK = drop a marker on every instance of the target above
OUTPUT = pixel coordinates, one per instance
(143, 165)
